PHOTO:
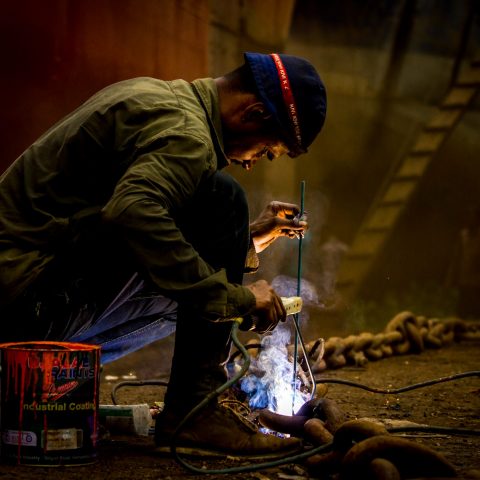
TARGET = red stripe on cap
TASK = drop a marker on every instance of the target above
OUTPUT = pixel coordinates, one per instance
(288, 96)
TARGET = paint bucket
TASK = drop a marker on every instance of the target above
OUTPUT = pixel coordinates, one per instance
(49, 403)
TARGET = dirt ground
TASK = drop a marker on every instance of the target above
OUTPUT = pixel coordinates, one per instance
(452, 404)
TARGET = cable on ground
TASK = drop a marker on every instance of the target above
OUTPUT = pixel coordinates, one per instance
(315, 450)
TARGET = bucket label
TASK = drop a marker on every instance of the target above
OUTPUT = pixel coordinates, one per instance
(63, 439)
(14, 437)
(49, 402)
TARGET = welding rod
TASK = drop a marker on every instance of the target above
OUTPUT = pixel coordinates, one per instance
(298, 334)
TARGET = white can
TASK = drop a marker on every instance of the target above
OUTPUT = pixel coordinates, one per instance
(126, 419)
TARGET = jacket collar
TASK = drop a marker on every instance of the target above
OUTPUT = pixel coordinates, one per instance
(206, 91)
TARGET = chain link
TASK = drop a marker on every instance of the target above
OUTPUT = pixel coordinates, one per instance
(404, 333)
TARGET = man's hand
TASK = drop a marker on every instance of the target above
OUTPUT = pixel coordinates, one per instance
(278, 219)
(269, 307)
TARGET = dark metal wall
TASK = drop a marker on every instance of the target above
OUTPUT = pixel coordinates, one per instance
(55, 54)
(387, 65)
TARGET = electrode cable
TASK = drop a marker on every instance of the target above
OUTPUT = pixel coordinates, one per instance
(298, 339)
(350, 383)
(310, 452)
(303, 455)
(407, 388)
(211, 396)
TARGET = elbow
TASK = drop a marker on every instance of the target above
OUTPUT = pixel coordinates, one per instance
(120, 211)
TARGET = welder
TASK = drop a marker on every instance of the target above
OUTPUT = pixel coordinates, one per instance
(118, 226)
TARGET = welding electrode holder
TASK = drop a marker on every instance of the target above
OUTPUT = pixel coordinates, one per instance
(292, 305)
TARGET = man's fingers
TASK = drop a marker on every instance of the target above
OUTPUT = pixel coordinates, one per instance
(277, 313)
(270, 308)
(287, 226)
(293, 233)
(281, 313)
(289, 209)
(290, 223)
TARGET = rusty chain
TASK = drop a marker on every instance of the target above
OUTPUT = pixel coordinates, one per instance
(404, 333)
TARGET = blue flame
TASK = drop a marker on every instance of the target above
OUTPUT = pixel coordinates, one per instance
(270, 383)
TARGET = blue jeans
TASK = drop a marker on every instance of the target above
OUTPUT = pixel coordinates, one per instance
(133, 319)
(109, 303)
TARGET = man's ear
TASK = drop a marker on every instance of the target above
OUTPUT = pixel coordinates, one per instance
(256, 113)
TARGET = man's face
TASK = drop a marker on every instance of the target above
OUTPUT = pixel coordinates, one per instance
(250, 133)
(246, 150)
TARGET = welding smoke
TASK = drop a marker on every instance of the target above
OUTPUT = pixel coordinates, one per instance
(286, 286)
(330, 256)
(322, 290)
(270, 383)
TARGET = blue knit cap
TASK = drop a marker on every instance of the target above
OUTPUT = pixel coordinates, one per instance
(294, 94)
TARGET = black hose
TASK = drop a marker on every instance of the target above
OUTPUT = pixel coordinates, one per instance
(301, 456)
(393, 391)
(216, 393)
(316, 450)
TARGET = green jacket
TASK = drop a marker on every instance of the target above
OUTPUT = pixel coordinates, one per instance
(136, 151)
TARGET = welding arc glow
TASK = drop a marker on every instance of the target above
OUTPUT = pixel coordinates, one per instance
(268, 385)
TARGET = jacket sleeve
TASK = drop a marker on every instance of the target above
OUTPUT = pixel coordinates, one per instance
(158, 183)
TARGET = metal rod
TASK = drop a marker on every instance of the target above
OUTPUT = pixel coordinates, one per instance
(307, 363)
(299, 287)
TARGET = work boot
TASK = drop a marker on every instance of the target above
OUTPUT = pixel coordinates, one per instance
(219, 431)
